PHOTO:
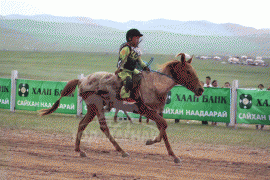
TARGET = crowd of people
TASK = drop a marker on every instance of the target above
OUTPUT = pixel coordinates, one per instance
(261, 87)
(214, 83)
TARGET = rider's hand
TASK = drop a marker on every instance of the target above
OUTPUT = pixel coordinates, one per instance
(146, 68)
(118, 71)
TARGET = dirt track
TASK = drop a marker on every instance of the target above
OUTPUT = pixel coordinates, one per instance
(33, 155)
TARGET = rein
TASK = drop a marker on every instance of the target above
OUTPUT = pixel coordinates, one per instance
(162, 74)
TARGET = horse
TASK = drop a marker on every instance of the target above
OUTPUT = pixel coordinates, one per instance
(153, 91)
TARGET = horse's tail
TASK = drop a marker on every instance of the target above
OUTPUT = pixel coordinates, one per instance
(68, 89)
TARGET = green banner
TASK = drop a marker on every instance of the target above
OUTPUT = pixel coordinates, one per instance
(213, 105)
(5, 91)
(253, 107)
(34, 95)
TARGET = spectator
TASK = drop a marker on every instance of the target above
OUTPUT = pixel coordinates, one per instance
(227, 85)
(215, 83)
(208, 82)
(268, 88)
(261, 88)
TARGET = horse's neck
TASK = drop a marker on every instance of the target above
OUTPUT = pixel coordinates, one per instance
(155, 87)
(169, 80)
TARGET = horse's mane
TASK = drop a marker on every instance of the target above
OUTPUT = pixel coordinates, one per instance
(168, 64)
(174, 61)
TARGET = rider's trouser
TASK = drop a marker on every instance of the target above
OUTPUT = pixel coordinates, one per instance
(126, 77)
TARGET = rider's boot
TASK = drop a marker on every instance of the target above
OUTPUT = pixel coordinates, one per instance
(126, 88)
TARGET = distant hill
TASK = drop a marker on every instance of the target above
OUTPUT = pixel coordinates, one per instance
(51, 33)
(181, 27)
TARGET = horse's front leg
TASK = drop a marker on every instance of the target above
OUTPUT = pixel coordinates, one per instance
(161, 132)
(104, 128)
(169, 148)
(128, 116)
(162, 126)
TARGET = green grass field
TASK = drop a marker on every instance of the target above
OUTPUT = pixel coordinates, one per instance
(193, 133)
(64, 66)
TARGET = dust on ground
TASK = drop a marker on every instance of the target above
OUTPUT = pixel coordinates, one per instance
(27, 154)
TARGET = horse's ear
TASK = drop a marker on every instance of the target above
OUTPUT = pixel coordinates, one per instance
(190, 60)
(183, 58)
(178, 54)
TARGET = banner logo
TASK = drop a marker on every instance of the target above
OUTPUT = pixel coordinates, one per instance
(168, 100)
(23, 90)
(245, 101)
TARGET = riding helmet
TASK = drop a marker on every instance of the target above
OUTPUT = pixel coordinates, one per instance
(131, 33)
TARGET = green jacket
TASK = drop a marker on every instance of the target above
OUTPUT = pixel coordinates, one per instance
(128, 60)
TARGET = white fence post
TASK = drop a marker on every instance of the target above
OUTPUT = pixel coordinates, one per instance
(234, 103)
(14, 77)
(79, 100)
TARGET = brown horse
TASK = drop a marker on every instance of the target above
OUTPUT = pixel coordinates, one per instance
(153, 90)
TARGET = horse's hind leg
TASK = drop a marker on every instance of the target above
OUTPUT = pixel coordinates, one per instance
(91, 113)
(104, 128)
(128, 116)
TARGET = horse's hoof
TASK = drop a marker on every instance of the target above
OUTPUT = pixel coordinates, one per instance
(125, 154)
(82, 154)
(149, 142)
(177, 160)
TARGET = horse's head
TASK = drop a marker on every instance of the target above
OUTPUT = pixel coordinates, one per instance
(184, 74)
